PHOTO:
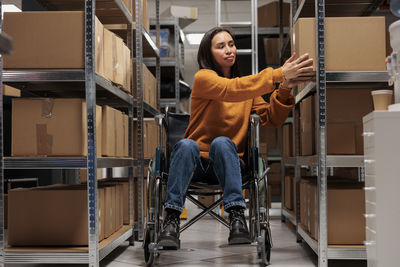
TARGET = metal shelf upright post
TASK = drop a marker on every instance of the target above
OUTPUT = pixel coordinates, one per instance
(140, 105)
(139, 111)
(5, 48)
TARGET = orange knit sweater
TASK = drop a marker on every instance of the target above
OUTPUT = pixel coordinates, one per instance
(222, 106)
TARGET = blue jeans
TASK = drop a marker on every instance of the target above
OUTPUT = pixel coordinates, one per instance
(224, 167)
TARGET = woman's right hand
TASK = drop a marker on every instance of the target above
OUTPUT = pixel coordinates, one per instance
(294, 68)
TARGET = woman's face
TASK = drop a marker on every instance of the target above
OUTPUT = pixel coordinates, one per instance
(223, 50)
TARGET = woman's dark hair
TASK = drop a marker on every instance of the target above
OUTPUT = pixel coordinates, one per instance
(205, 58)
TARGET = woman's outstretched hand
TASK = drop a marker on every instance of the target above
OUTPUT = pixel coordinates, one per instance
(294, 68)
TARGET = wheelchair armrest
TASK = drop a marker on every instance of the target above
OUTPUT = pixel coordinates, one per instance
(160, 121)
(255, 131)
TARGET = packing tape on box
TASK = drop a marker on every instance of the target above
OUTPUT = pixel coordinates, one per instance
(44, 142)
(193, 13)
(47, 107)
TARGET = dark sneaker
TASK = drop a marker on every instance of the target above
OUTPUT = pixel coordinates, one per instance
(239, 233)
(169, 238)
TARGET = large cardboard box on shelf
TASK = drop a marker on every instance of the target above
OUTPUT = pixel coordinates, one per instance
(115, 133)
(304, 207)
(307, 122)
(150, 137)
(51, 127)
(271, 51)
(50, 40)
(149, 87)
(42, 216)
(344, 121)
(288, 192)
(271, 137)
(268, 15)
(361, 47)
(274, 174)
(346, 206)
(117, 67)
(287, 136)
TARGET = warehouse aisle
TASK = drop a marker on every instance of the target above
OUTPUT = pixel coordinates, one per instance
(201, 246)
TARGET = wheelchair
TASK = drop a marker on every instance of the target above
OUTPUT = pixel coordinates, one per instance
(254, 180)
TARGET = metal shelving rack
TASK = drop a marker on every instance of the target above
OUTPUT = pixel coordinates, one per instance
(322, 161)
(94, 88)
(140, 105)
(171, 66)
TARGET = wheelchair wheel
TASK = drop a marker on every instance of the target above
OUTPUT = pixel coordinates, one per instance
(265, 250)
(148, 255)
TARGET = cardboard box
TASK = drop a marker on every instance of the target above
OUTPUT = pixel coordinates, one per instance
(120, 138)
(274, 174)
(51, 127)
(361, 47)
(109, 44)
(288, 192)
(287, 147)
(43, 217)
(268, 15)
(272, 51)
(11, 91)
(346, 223)
(344, 121)
(149, 87)
(293, 180)
(270, 136)
(307, 123)
(150, 137)
(126, 202)
(50, 40)
(109, 127)
(206, 200)
(126, 135)
(303, 203)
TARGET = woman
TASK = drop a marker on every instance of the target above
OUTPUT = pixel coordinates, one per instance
(215, 138)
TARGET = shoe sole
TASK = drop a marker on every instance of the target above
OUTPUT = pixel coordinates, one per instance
(239, 239)
(170, 243)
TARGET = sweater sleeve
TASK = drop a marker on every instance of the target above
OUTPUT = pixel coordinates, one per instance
(274, 114)
(209, 85)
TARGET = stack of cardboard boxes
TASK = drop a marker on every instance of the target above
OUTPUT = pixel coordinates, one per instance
(57, 127)
(57, 215)
(361, 47)
(346, 206)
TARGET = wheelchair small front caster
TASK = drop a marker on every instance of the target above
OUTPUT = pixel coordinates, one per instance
(264, 251)
(149, 247)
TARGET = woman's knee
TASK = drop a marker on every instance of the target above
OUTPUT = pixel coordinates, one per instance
(187, 146)
(222, 144)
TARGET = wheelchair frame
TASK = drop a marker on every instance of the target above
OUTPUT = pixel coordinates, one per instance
(259, 226)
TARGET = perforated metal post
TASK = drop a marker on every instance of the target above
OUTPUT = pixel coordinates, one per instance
(321, 107)
(130, 44)
(91, 132)
(177, 67)
(254, 37)
(139, 109)
(158, 64)
(2, 236)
